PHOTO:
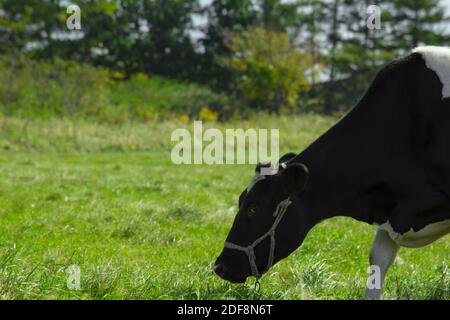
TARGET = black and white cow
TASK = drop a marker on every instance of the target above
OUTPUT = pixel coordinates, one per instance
(387, 162)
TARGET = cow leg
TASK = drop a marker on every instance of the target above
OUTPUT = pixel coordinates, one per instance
(382, 254)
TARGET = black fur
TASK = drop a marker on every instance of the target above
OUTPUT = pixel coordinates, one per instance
(388, 159)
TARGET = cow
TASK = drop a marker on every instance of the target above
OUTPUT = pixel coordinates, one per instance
(385, 163)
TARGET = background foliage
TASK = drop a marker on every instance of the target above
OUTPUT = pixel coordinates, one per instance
(188, 41)
(269, 70)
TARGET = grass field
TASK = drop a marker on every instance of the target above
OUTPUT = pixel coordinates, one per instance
(108, 199)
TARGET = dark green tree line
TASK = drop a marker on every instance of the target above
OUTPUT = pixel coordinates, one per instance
(156, 37)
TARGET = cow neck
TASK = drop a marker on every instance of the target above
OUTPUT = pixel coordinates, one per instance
(332, 190)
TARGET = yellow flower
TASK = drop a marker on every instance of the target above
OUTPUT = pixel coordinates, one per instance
(207, 114)
(184, 118)
(118, 75)
(141, 76)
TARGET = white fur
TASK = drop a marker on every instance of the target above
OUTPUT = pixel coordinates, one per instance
(420, 238)
(383, 253)
(438, 60)
(387, 242)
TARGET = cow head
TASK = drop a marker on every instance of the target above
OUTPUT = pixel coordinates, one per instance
(269, 224)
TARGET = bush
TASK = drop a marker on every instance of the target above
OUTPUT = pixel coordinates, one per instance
(57, 88)
(156, 97)
(36, 89)
(268, 70)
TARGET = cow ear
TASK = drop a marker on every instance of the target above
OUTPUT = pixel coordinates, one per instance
(294, 177)
(286, 157)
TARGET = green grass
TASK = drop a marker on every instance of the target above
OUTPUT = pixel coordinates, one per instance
(108, 199)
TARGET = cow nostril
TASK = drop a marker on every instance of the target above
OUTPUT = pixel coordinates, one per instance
(218, 269)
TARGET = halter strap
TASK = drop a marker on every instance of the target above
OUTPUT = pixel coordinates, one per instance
(250, 250)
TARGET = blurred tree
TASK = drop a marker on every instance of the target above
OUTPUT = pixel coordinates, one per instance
(130, 35)
(99, 39)
(309, 36)
(360, 51)
(225, 17)
(167, 49)
(334, 35)
(25, 24)
(417, 22)
(140, 36)
(157, 36)
(278, 15)
(269, 71)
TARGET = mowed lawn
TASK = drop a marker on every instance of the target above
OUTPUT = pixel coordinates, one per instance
(109, 200)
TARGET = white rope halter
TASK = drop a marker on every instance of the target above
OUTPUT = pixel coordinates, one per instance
(250, 250)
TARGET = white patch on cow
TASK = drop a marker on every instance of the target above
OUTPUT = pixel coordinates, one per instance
(420, 238)
(258, 177)
(438, 60)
